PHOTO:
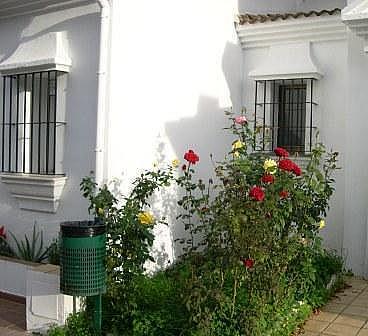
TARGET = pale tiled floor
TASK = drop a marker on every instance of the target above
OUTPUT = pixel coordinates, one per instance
(12, 318)
(345, 315)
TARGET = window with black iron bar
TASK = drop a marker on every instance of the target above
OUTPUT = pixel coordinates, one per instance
(30, 125)
(284, 115)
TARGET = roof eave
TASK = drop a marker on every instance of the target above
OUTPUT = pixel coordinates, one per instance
(13, 8)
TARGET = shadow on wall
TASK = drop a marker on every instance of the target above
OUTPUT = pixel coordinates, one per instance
(204, 134)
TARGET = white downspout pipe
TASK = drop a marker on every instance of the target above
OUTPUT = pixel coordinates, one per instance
(100, 149)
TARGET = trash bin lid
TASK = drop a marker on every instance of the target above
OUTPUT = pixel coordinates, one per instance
(87, 228)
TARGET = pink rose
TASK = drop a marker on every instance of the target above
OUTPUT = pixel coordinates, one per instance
(241, 120)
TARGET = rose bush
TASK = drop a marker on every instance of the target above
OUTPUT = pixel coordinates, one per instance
(252, 261)
(271, 228)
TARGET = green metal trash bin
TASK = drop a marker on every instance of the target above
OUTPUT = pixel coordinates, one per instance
(82, 258)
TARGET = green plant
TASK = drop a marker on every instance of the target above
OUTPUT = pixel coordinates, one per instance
(79, 324)
(76, 324)
(129, 231)
(253, 233)
(53, 254)
(160, 310)
(30, 249)
(56, 331)
(253, 263)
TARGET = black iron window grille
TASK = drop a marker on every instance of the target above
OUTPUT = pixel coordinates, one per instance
(284, 115)
(29, 124)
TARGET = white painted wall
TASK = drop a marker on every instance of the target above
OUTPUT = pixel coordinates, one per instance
(82, 27)
(341, 95)
(356, 158)
(174, 69)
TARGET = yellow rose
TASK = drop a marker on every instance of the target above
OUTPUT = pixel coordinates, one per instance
(146, 218)
(100, 211)
(322, 224)
(175, 163)
(238, 145)
(270, 166)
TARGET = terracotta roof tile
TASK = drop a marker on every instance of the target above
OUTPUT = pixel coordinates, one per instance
(248, 18)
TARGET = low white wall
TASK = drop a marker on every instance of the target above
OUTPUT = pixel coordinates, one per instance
(13, 276)
(39, 284)
(44, 303)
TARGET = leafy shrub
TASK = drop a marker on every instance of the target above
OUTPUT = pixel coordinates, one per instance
(129, 227)
(76, 324)
(30, 249)
(252, 263)
(256, 233)
(160, 310)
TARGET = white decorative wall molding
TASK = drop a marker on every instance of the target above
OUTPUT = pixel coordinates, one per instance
(40, 193)
(355, 16)
(287, 61)
(47, 52)
(311, 29)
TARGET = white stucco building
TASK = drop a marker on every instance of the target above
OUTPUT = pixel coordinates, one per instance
(109, 87)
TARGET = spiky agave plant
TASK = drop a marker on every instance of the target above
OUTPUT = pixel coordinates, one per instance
(30, 249)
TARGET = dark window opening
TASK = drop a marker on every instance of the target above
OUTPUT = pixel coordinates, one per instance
(291, 118)
(284, 115)
(29, 125)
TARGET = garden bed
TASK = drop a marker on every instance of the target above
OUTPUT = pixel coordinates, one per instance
(36, 285)
(252, 261)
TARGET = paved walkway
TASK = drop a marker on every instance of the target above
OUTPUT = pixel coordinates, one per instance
(345, 315)
(12, 318)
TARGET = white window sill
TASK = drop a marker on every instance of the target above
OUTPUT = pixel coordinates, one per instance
(39, 193)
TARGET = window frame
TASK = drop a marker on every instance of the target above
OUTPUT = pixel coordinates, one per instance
(33, 96)
(266, 113)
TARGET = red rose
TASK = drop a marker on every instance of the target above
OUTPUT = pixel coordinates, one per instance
(281, 152)
(296, 170)
(2, 232)
(268, 178)
(287, 165)
(248, 263)
(191, 157)
(283, 194)
(257, 194)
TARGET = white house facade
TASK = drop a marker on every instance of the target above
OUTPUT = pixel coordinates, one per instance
(313, 55)
(107, 88)
(110, 87)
